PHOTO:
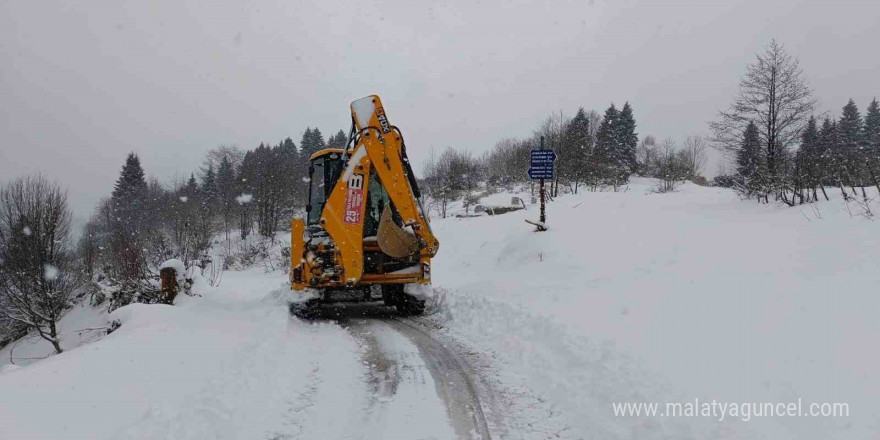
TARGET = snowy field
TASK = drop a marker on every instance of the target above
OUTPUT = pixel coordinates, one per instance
(628, 297)
(637, 296)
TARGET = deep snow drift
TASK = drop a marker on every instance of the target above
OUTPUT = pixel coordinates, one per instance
(628, 297)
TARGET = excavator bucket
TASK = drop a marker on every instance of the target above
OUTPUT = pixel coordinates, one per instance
(393, 240)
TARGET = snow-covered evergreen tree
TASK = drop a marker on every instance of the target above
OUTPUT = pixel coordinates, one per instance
(850, 138)
(312, 141)
(580, 149)
(871, 139)
(226, 193)
(628, 140)
(129, 227)
(810, 159)
(338, 140)
(610, 162)
(749, 161)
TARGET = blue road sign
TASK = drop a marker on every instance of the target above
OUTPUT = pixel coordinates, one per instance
(541, 164)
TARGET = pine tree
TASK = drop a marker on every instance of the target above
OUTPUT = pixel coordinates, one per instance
(293, 169)
(748, 161)
(809, 157)
(578, 137)
(131, 183)
(871, 139)
(628, 140)
(829, 139)
(129, 197)
(226, 192)
(607, 148)
(129, 228)
(305, 144)
(210, 202)
(192, 186)
(872, 126)
(338, 140)
(209, 183)
(312, 141)
(245, 186)
(850, 137)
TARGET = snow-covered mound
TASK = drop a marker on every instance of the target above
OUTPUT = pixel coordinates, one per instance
(636, 296)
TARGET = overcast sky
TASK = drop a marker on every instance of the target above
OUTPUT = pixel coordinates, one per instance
(82, 83)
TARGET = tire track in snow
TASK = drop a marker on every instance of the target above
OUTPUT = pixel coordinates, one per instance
(408, 369)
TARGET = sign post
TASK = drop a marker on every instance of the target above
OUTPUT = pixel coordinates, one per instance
(540, 168)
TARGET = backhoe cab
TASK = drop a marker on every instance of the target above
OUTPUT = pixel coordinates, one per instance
(364, 222)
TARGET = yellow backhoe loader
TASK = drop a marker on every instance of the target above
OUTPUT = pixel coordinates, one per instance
(364, 225)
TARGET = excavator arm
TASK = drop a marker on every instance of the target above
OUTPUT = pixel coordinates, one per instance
(378, 146)
(386, 149)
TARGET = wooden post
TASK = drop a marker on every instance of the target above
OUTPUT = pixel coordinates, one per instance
(169, 285)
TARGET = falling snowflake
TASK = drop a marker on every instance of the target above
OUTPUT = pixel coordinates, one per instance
(244, 198)
(27, 231)
(306, 180)
(184, 199)
(50, 272)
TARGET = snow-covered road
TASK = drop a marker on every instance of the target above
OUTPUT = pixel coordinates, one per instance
(412, 371)
(230, 365)
(236, 365)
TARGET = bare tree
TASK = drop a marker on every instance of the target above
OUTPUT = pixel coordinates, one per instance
(774, 95)
(231, 153)
(646, 155)
(553, 130)
(451, 175)
(38, 277)
(696, 154)
(88, 249)
(671, 165)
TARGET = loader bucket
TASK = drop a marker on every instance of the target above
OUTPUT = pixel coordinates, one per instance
(393, 240)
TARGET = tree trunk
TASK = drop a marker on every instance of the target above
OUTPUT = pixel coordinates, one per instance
(53, 337)
(874, 178)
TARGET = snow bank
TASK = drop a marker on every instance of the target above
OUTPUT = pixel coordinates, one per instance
(226, 366)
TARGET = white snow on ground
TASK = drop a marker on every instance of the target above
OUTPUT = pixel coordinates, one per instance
(231, 364)
(628, 297)
(636, 296)
(404, 393)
